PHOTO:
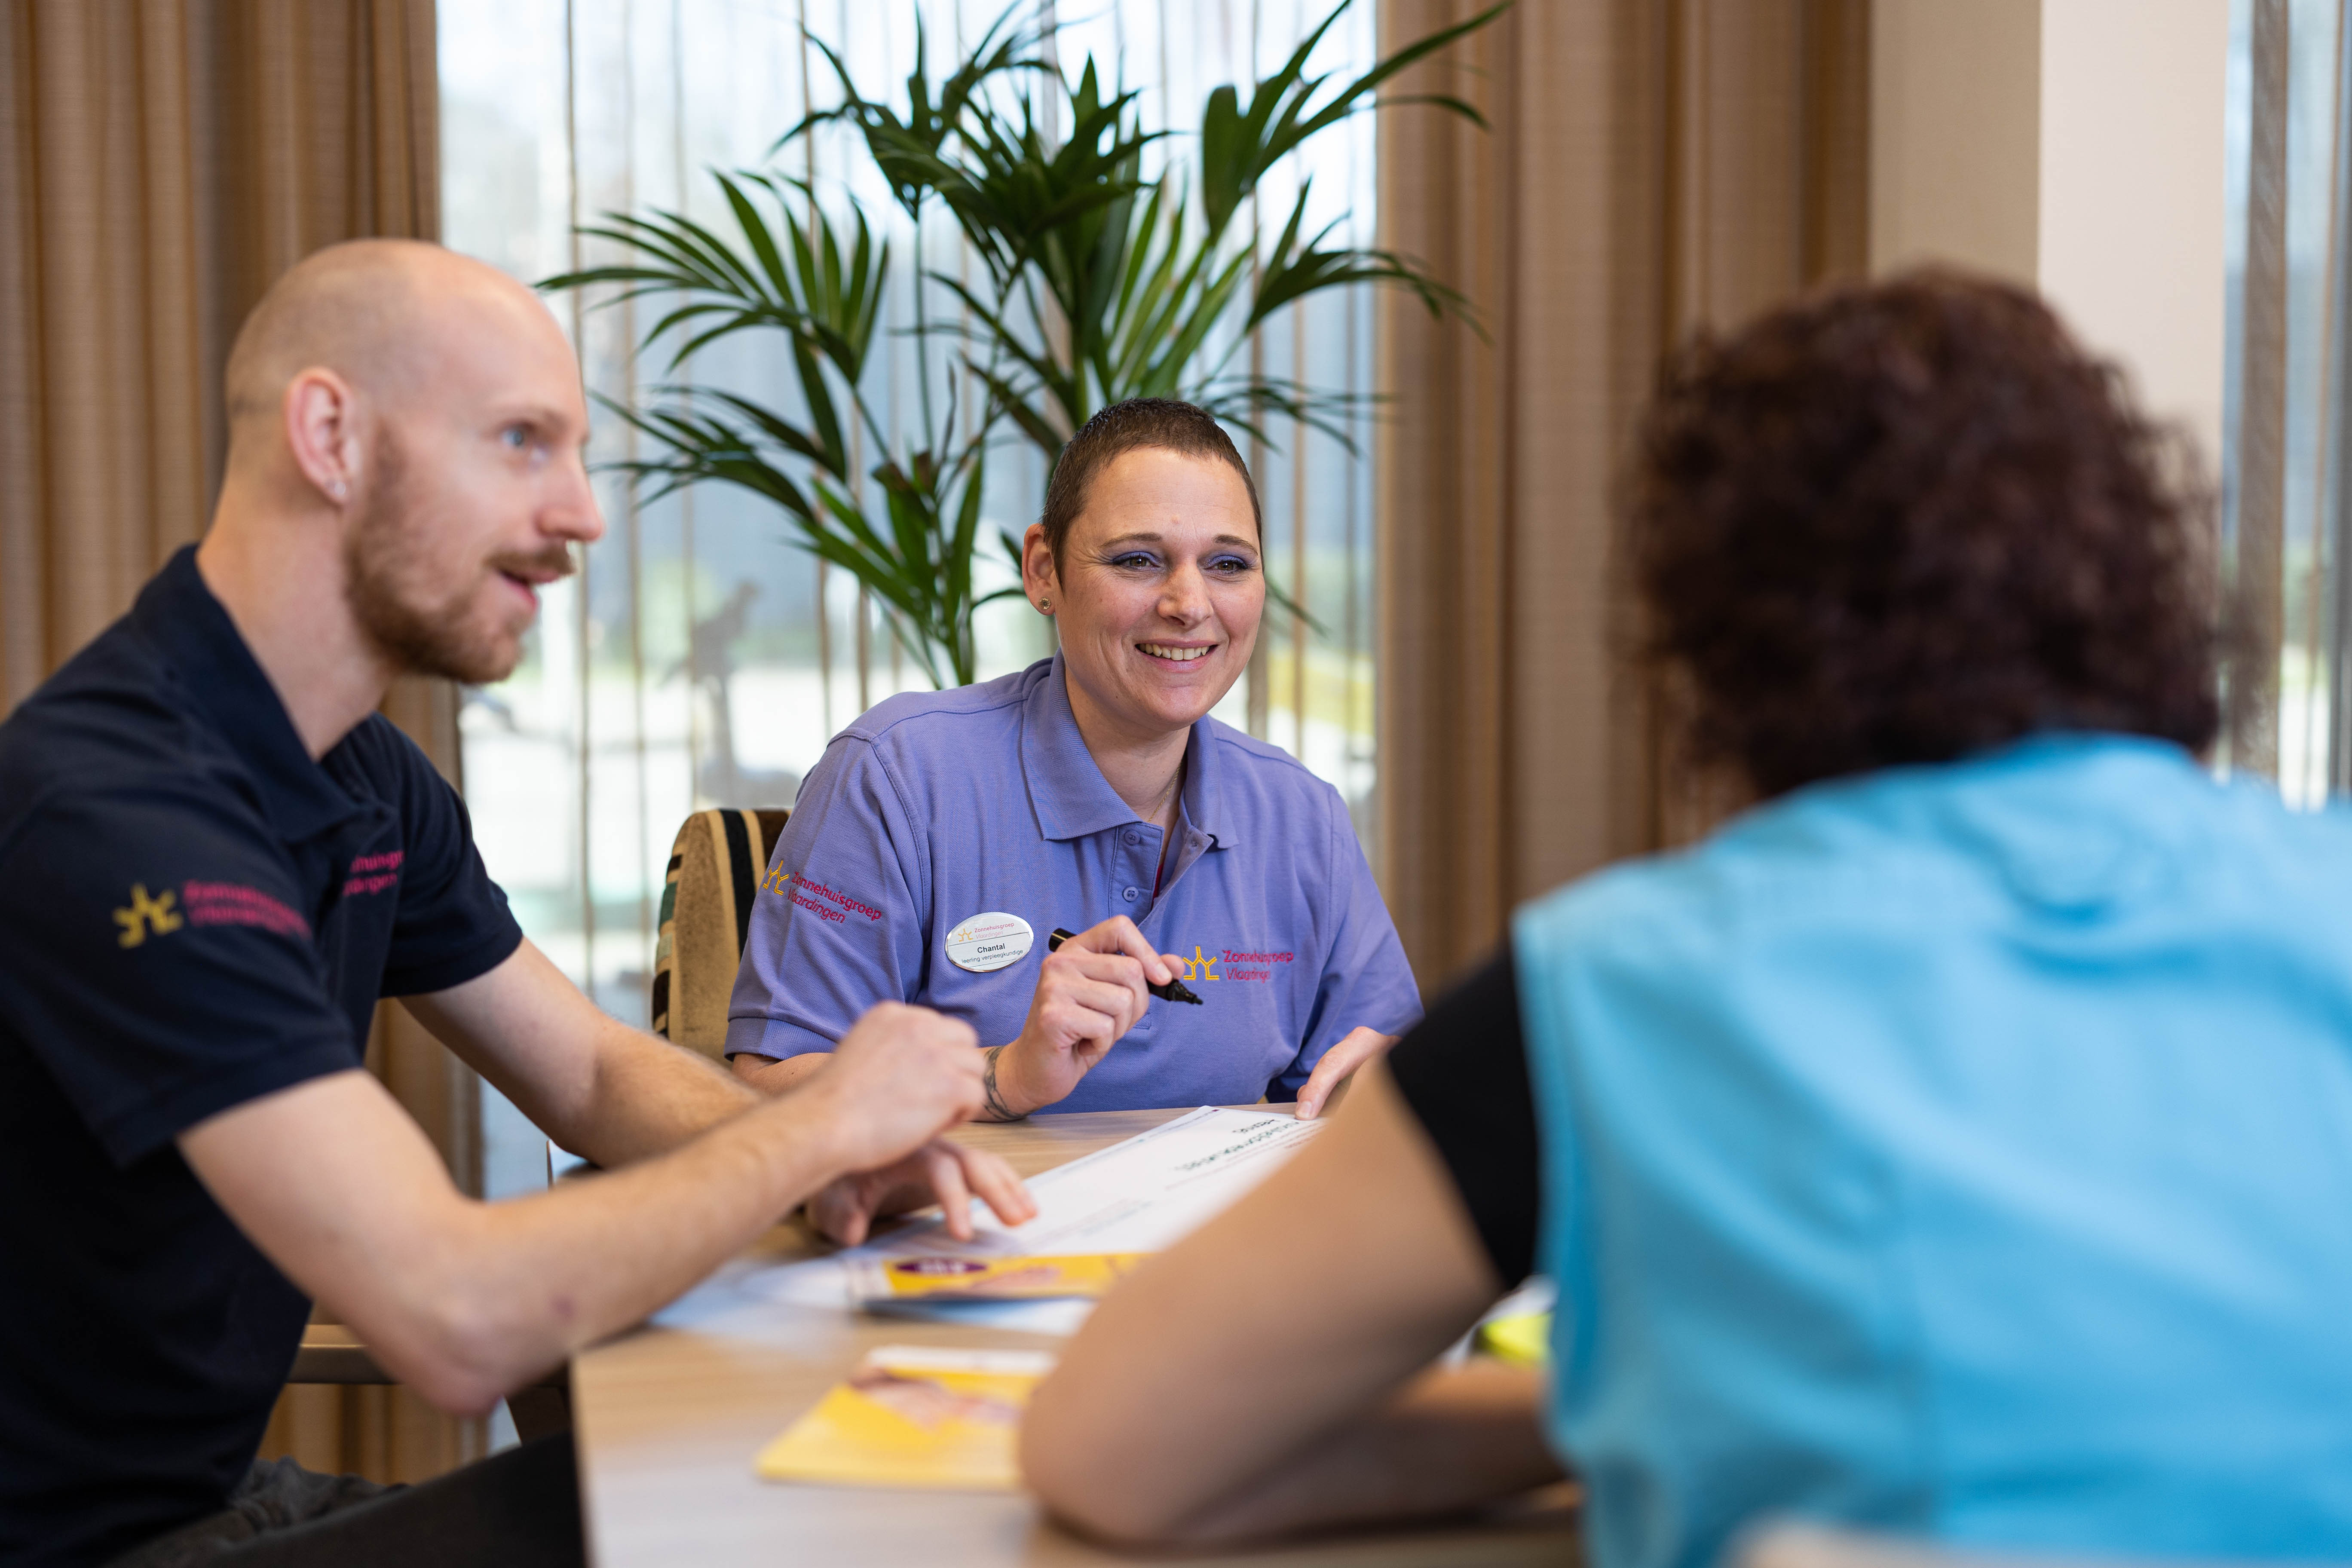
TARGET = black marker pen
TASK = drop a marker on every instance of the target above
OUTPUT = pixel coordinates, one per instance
(1174, 990)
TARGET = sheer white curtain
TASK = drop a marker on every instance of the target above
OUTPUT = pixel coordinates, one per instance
(701, 658)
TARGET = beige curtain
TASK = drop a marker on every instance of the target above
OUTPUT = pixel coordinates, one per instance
(2259, 569)
(161, 161)
(1651, 165)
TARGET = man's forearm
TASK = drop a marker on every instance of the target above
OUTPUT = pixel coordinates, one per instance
(1451, 1441)
(463, 1300)
(591, 1082)
(772, 1075)
(536, 1278)
(647, 1097)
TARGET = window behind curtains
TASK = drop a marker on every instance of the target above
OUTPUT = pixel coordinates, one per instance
(2286, 477)
(702, 659)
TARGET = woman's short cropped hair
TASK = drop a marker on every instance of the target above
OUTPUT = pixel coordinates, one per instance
(1158, 422)
(1908, 522)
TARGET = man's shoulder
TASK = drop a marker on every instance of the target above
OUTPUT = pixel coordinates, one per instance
(108, 725)
(154, 815)
(114, 697)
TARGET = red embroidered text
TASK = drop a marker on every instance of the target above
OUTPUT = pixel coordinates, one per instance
(234, 904)
(373, 873)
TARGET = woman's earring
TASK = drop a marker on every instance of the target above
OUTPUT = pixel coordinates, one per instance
(1044, 606)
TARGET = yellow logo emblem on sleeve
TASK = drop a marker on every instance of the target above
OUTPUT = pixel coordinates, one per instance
(148, 915)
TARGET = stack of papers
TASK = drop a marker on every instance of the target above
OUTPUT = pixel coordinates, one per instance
(915, 1416)
(1133, 1198)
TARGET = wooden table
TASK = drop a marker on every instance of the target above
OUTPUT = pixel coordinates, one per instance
(668, 1417)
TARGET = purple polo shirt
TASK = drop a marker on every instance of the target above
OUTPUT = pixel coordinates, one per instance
(936, 807)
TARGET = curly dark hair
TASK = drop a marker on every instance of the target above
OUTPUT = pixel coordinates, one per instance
(1907, 521)
(1122, 428)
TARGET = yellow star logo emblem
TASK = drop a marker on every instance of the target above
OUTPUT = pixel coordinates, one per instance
(148, 915)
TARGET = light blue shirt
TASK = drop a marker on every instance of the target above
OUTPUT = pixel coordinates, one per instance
(1965, 1151)
(936, 807)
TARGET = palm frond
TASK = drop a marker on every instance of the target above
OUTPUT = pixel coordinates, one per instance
(1097, 282)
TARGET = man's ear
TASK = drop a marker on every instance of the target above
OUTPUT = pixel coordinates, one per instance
(321, 418)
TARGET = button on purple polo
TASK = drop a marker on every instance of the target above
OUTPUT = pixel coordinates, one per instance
(936, 807)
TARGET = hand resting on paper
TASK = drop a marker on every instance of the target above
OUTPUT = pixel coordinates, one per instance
(1337, 1065)
(939, 1172)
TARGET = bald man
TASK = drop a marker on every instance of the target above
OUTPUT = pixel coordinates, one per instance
(215, 856)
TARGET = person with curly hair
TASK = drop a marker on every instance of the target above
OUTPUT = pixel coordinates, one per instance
(1951, 1144)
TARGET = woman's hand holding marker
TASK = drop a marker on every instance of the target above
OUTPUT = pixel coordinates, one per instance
(1090, 991)
(1174, 991)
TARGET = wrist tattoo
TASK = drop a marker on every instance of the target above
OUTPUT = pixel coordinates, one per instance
(993, 1104)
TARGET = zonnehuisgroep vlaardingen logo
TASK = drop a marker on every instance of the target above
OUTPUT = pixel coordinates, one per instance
(148, 914)
(1232, 964)
(201, 903)
(1200, 967)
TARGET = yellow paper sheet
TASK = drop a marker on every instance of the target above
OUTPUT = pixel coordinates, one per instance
(914, 1416)
(1522, 1339)
(941, 1277)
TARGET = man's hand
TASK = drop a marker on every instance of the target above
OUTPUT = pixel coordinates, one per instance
(901, 1077)
(1090, 992)
(463, 1301)
(1331, 1073)
(939, 1171)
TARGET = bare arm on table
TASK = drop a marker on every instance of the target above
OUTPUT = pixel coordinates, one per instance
(465, 1299)
(1266, 1376)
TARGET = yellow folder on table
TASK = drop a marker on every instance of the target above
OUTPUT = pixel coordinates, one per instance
(1522, 1339)
(948, 1277)
(914, 1416)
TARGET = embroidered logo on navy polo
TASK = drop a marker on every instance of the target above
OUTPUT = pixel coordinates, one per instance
(204, 904)
(147, 915)
(373, 873)
(235, 904)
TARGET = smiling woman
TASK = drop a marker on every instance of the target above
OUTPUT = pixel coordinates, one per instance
(1150, 544)
(1091, 790)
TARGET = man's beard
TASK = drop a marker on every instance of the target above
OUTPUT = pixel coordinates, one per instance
(388, 577)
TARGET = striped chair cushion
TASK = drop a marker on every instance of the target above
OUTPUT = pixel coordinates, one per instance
(706, 910)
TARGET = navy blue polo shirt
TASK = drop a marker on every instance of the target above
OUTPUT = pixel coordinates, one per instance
(193, 914)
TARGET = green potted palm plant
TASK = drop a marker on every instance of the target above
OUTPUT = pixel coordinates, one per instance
(1098, 281)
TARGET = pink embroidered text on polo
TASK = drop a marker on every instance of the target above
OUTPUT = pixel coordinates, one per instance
(373, 873)
(235, 904)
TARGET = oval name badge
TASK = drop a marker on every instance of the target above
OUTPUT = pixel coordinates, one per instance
(990, 941)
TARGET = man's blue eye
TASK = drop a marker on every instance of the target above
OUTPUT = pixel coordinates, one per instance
(515, 437)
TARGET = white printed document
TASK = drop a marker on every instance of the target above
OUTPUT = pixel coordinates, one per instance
(1142, 1195)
